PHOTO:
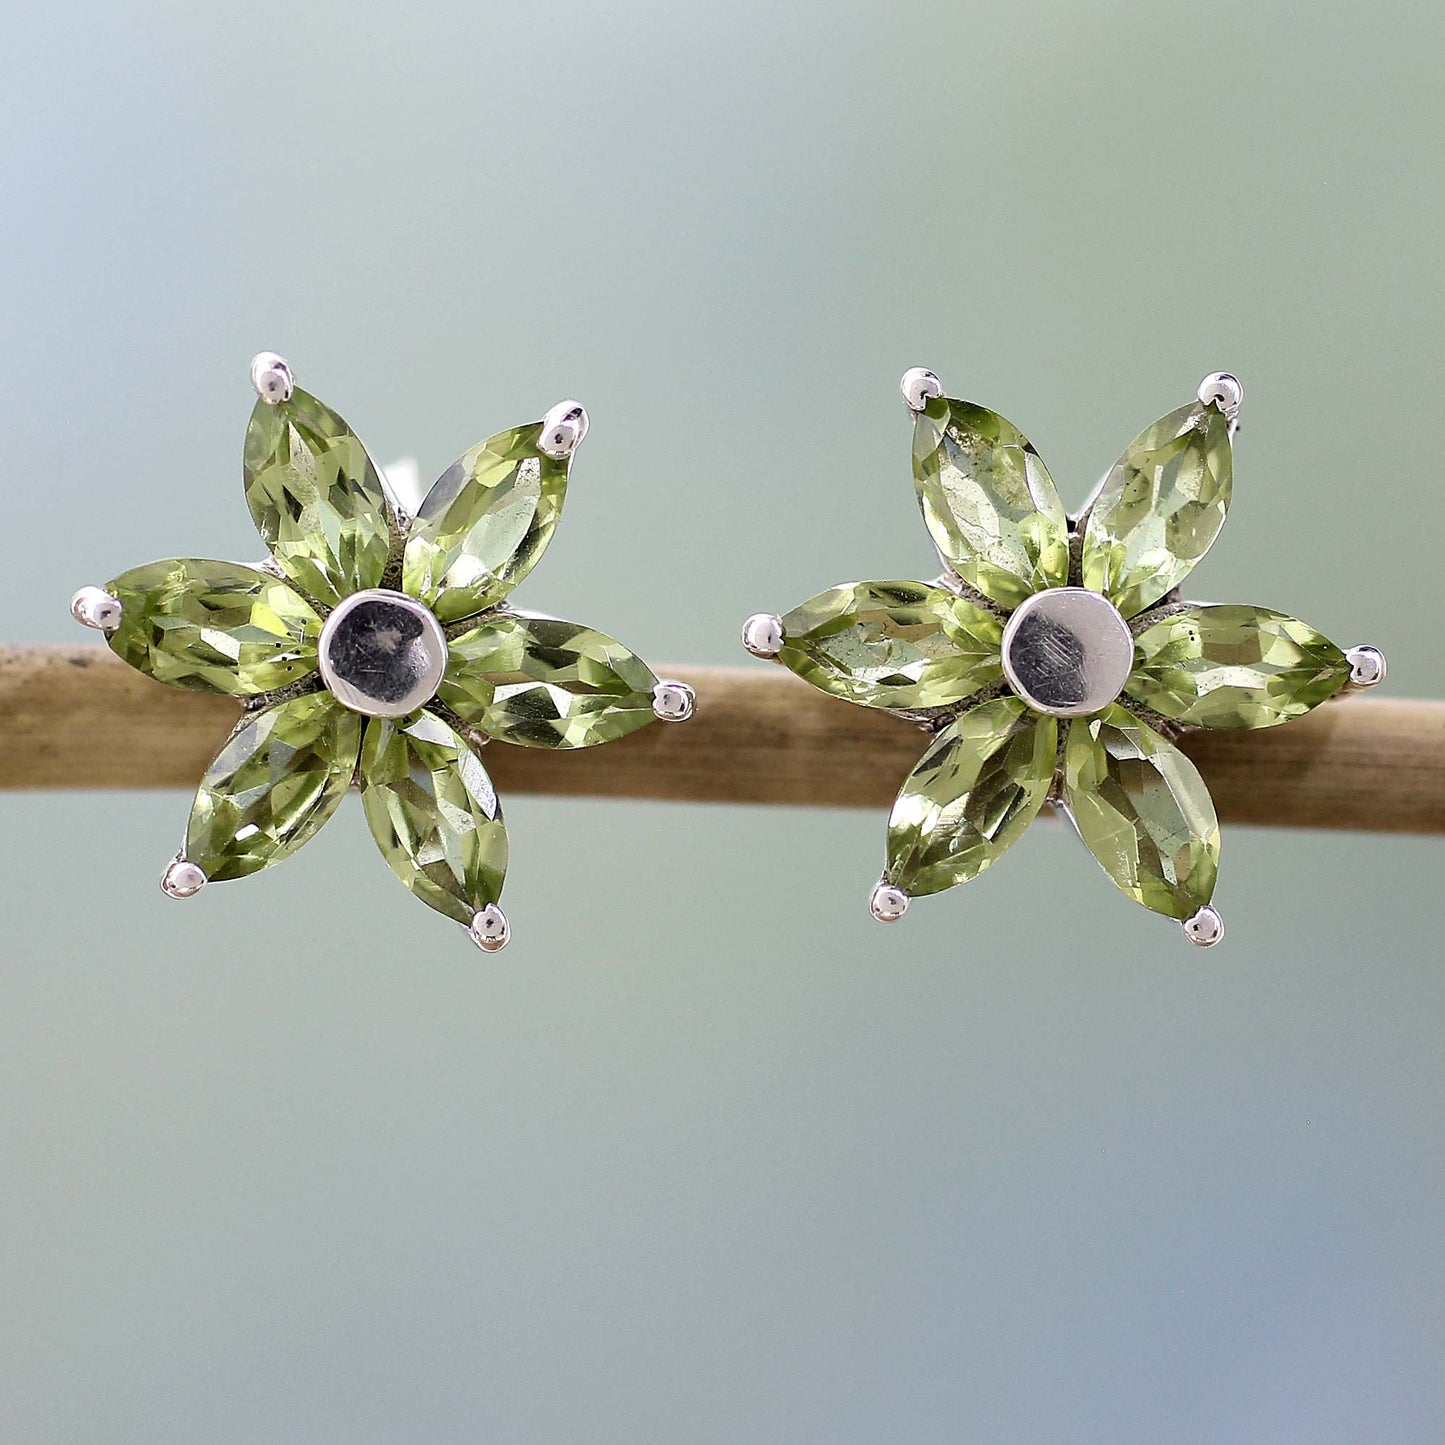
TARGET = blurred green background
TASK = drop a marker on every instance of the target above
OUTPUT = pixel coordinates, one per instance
(706, 1155)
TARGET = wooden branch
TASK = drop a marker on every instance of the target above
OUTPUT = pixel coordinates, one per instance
(75, 717)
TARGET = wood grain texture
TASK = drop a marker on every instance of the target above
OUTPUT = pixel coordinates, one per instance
(75, 717)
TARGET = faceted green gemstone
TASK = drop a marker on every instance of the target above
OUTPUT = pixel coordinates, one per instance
(1144, 812)
(484, 525)
(213, 627)
(434, 813)
(991, 506)
(281, 775)
(546, 683)
(899, 645)
(1160, 508)
(317, 498)
(971, 796)
(1234, 667)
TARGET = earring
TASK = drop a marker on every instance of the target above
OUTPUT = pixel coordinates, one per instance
(1053, 661)
(377, 648)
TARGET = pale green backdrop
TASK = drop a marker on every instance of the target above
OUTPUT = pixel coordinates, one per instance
(707, 1156)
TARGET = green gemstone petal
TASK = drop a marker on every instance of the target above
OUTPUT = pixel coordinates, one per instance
(545, 683)
(900, 645)
(989, 502)
(1144, 812)
(971, 796)
(1160, 508)
(280, 776)
(434, 814)
(484, 525)
(213, 627)
(1234, 667)
(317, 498)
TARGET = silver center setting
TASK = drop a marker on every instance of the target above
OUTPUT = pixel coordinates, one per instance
(1067, 651)
(383, 654)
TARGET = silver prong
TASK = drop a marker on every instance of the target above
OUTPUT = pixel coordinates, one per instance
(763, 634)
(490, 930)
(919, 386)
(1205, 928)
(95, 607)
(673, 701)
(182, 879)
(563, 428)
(271, 376)
(888, 903)
(1367, 666)
(1223, 390)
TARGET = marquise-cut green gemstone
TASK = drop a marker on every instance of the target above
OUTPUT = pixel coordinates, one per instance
(280, 776)
(899, 645)
(317, 498)
(484, 525)
(434, 814)
(1160, 508)
(213, 627)
(1144, 812)
(971, 796)
(546, 683)
(1234, 667)
(989, 502)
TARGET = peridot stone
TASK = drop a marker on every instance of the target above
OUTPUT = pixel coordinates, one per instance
(989, 502)
(1160, 508)
(545, 683)
(317, 498)
(1234, 667)
(899, 645)
(971, 796)
(213, 627)
(484, 525)
(434, 814)
(1144, 812)
(280, 776)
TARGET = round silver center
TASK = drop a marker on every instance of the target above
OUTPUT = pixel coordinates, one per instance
(1067, 651)
(383, 654)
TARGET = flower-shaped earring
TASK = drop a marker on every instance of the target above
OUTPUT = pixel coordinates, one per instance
(377, 648)
(1053, 661)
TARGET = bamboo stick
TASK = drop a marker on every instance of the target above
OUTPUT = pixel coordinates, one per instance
(75, 717)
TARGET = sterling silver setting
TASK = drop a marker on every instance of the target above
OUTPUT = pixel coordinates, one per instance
(763, 634)
(95, 607)
(888, 903)
(182, 879)
(271, 377)
(673, 701)
(1065, 651)
(1367, 666)
(563, 428)
(367, 630)
(383, 654)
(919, 386)
(1205, 928)
(490, 930)
(1223, 390)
